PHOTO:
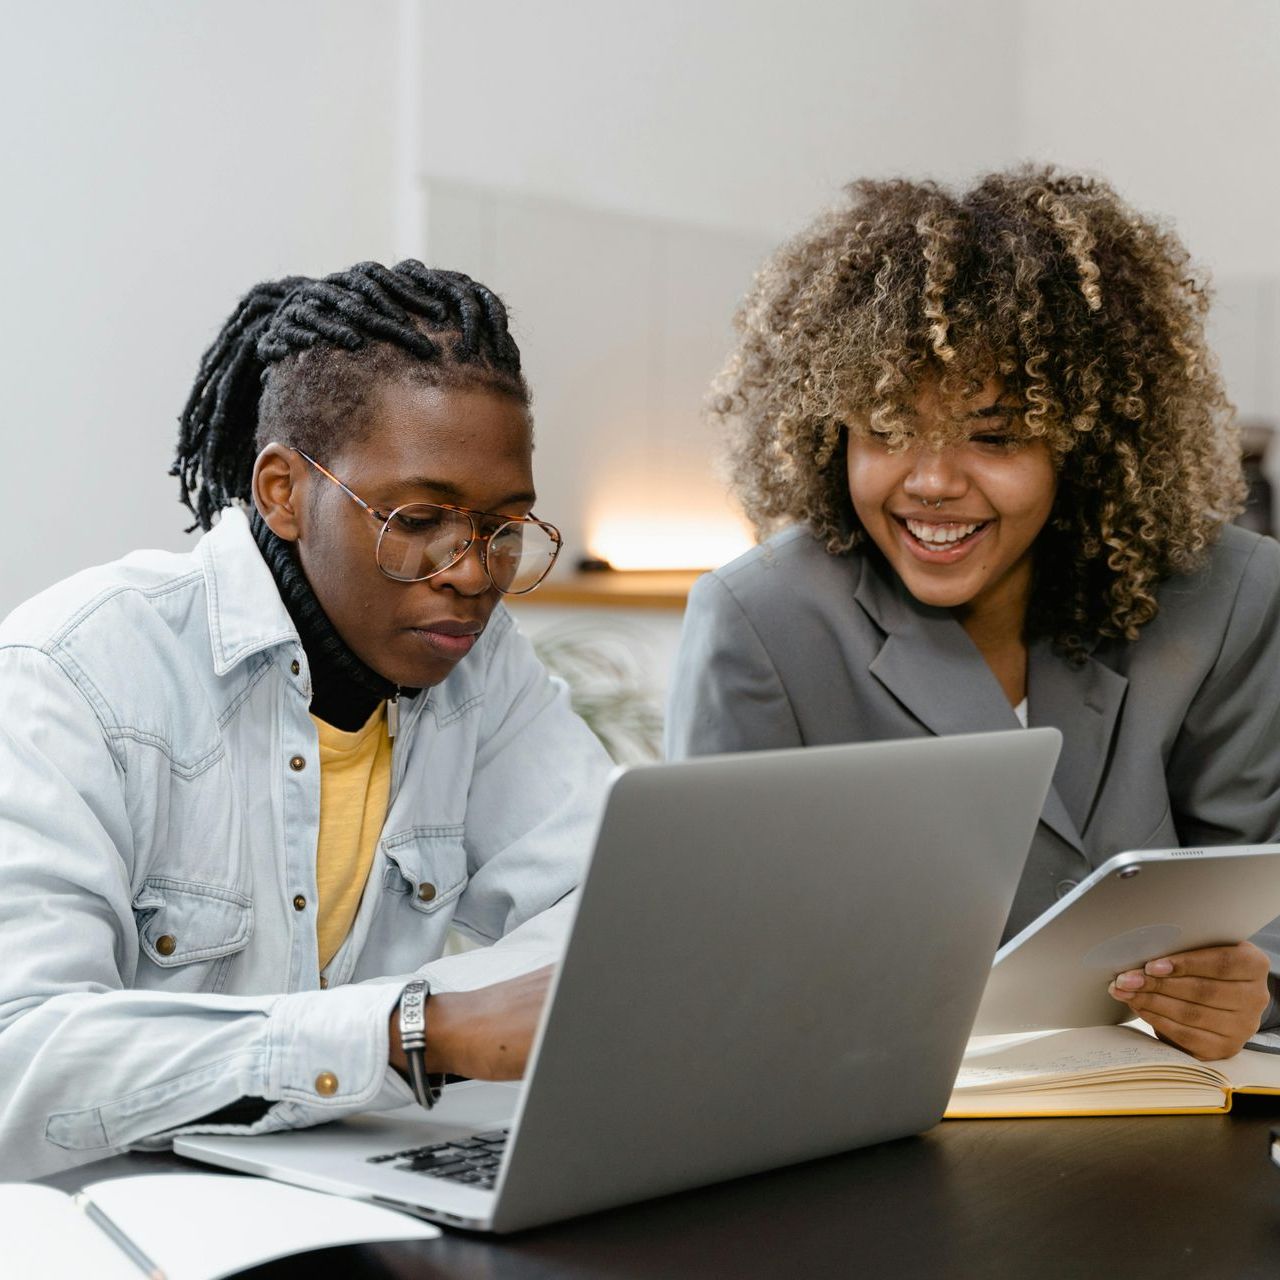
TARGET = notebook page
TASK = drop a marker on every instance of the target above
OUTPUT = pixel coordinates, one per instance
(43, 1234)
(1003, 1062)
(199, 1226)
(1250, 1069)
(1256, 1066)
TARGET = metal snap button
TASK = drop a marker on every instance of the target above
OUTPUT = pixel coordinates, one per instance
(295, 666)
(326, 1084)
(297, 764)
(166, 944)
(324, 984)
(426, 892)
(299, 902)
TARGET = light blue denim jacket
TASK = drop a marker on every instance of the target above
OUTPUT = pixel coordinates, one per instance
(157, 855)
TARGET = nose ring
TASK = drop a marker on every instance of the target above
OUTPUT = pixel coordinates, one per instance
(937, 506)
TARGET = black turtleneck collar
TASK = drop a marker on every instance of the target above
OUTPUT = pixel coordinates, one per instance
(344, 691)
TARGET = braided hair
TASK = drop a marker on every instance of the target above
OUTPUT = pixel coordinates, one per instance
(298, 361)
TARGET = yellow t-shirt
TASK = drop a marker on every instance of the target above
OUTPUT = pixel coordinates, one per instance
(355, 784)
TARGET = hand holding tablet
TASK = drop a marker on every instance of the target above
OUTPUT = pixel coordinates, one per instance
(1207, 1002)
(1154, 933)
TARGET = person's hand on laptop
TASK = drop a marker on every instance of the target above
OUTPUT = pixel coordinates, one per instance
(1208, 1002)
(484, 1034)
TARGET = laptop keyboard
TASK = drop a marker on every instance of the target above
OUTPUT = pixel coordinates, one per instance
(472, 1160)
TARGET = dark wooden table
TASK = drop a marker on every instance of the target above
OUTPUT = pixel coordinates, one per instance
(1128, 1197)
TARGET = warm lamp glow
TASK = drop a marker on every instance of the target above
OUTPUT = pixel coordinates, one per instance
(663, 542)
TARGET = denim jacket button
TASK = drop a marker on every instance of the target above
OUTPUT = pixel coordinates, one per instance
(295, 667)
(326, 1084)
(297, 764)
(166, 944)
(299, 902)
(426, 892)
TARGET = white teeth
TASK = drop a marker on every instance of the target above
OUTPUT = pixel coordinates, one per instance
(940, 535)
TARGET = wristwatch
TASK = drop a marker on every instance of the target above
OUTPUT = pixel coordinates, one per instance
(413, 1040)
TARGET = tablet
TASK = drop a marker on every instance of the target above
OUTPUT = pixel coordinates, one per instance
(1135, 907)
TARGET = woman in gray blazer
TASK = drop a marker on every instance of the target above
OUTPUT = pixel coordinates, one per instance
(994, 466)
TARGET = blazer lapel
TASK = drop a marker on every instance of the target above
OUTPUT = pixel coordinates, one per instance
(1084, 702)
(929, 664)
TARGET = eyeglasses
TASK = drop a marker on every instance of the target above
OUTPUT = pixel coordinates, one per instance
(421, 539)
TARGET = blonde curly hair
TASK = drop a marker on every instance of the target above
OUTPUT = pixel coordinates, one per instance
(1089, 313)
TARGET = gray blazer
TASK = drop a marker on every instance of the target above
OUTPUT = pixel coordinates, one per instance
(1173, 739)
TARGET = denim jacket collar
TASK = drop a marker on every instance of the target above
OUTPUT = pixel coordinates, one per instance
(246, 614)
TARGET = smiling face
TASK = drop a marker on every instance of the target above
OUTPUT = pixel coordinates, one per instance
(958, 522)
(467, 448)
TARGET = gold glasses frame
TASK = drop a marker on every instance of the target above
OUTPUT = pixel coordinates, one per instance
(477, 535)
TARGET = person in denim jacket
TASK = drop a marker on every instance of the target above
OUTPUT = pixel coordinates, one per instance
(197, 930)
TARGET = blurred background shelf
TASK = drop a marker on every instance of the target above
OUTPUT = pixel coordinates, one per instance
(616, 589)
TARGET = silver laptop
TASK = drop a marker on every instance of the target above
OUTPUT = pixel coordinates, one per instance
(776, 956)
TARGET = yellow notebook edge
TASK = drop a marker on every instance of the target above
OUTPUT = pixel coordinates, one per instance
(954, 1112)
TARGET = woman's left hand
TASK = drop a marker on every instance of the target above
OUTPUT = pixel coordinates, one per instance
(1208, 1002)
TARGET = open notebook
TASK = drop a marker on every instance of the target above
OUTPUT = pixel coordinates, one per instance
(1099, 1071)
(193, 1226)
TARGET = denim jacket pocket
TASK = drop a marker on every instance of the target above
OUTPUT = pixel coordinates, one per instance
(190, 932)
(426, 865)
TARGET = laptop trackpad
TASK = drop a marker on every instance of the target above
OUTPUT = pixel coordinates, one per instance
(463, 1109)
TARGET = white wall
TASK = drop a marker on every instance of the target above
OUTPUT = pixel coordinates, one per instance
(158, 160)
(709, 130)
(622, 322)
(734, 113)
(748, 115)
(1177, 102)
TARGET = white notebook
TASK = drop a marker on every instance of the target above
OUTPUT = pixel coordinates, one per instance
(193, 1226)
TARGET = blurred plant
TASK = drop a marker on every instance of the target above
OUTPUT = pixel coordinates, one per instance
(608, 686)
